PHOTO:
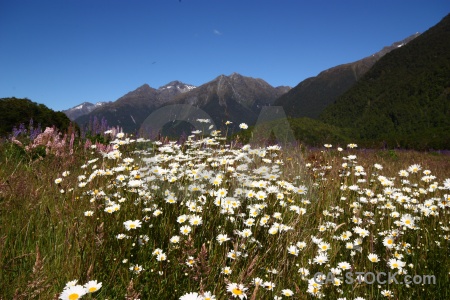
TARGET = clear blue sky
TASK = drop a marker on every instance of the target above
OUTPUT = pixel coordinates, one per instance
(64, 52)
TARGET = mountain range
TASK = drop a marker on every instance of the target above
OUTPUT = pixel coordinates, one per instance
(397, 97)
(130, 110)
(234, 98)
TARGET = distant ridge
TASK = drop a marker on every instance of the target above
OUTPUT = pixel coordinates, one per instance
(404, 99)
(234, 98)
(310, 97)
(130, 110)
(81, 109)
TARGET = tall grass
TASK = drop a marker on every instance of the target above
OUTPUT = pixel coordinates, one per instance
(220, 220)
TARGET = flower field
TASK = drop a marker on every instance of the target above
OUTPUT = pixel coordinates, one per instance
(210, 219)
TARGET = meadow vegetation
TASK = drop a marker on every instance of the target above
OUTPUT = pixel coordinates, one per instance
(212, 219)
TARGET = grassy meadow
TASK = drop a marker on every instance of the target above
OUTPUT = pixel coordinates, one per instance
(207, 219)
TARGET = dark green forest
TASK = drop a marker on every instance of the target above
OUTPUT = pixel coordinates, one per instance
(15, 111)
(404, 99)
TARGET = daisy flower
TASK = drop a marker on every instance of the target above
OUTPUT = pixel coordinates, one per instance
(373, 257)
(71, 283)
(344, 265)
(92, 286)
(269, 285)
(292, 249)
(237, 290)
(324, 246)
(73, 293)
(233, 254)
(185, 229)
(301, 245)
(321, 259)
(243, 126)
(396, 263)
(287, 293)
(245, 233)
(414, 168)
(388, 242)
(195, 220)
(226, 270)
(257, 281)
(175, 239)
(208, 296)
(303, 271)
(161, 257)
(136, 269)
(130, 224)
(407, 220)
(222, 238)
(378, 166)
(191, 296)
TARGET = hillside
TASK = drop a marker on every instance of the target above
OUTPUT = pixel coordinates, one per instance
(130, 110)
(404, 99)
(234, 98)
(15, 111)
(310, 97)
(81, 109)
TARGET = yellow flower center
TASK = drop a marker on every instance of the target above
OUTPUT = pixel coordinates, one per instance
(92, 289)
(237, 291)
(132, 226)
(390, 242)
(74, 296)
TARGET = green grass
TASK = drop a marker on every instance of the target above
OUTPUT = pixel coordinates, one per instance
(46, 240)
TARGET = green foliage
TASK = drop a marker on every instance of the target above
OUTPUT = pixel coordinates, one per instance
(306, 131)
(16, 111)
(12, 151)
(404, 100)
(46, 239)
(98, 138)
(316, 133)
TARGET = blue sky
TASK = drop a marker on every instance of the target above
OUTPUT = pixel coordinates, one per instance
(64, 52)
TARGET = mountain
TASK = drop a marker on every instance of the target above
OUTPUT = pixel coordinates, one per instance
(130, 110)
(234, 98)
(81, 109)
(310, 97)
(404, 99)
(16, 111)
